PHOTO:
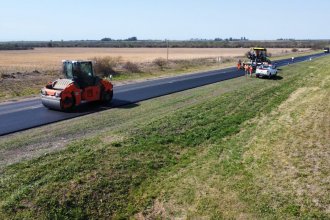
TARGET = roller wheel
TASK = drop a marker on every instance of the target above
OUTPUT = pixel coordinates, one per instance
(68, 104)
(107, 96)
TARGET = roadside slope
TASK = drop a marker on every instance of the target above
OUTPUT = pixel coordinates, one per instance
(276, 167)
(215, 157)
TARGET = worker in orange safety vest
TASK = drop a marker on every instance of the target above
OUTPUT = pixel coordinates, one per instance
(239, 64)
(251, 70)
(246, 68)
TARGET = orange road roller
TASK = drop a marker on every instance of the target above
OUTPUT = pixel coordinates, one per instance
(78, 86)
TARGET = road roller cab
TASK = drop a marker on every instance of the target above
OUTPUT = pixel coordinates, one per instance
(80, 85)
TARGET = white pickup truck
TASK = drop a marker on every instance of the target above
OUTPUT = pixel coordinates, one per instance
(266, 70)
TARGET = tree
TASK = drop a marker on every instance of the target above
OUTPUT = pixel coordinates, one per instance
(132, 39)
(106, 39)
(50, 44)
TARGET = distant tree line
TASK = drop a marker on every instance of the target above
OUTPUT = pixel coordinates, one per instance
(14, 46)
(128, 39)
(231, 39)
(133, 42)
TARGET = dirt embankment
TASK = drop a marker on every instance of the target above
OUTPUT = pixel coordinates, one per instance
(23, 84)
(19, 75)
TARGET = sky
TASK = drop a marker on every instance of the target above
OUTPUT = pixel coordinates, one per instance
(34, 20)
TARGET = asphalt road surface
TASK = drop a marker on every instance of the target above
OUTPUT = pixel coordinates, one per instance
(23, 115)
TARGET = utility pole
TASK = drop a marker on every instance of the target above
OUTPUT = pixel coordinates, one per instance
(168, 45)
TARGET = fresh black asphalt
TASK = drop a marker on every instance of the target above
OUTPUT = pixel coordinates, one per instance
(23, 115)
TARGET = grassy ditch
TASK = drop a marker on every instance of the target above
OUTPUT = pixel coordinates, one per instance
(230, 152)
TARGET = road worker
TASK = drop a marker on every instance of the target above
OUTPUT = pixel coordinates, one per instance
(251, 70)
(239, 64)
(246, 69)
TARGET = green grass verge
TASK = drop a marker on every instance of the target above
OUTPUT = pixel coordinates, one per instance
(296, 54)
(190, 162)
(194, 68)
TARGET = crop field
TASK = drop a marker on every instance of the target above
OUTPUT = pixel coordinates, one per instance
(50, 58)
